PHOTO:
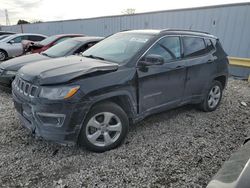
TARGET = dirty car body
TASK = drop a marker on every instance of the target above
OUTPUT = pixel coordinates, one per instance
(72, 46)
(137, 72)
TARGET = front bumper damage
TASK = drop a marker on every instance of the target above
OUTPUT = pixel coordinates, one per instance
(55, 121)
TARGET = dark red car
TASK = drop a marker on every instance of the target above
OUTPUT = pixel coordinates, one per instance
(37, 47)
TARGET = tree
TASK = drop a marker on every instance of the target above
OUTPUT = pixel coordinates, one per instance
(36, 21)
(129, 11)
(22, 22)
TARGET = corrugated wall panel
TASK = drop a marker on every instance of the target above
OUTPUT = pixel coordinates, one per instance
(231, 23)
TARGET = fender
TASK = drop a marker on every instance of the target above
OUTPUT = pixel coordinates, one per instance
(125, 94)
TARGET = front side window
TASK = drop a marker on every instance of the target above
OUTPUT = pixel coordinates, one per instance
(85, 47)
(120, 47)
(193, 46)
(19, 39)
(168, 48)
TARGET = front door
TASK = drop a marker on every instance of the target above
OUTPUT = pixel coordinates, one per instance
(162, 86)
(15, 47)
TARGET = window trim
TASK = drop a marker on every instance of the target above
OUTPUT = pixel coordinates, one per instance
(181, 49)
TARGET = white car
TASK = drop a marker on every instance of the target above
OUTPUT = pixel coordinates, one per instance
(11, 46)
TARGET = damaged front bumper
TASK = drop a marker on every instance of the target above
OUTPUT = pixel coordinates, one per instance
(56, 121)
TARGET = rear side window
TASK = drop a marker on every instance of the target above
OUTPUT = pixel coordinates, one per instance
(35, 38)
(209, 44)
(168, 48)
(193, 46)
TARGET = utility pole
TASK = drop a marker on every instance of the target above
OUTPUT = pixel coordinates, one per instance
(7, 17)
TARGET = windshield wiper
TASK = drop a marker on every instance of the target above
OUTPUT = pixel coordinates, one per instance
(94, 57)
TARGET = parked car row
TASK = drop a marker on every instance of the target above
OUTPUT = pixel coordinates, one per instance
(37, 47)
(91, 99)
(11, 46)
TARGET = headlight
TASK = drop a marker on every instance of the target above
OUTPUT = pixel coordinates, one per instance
(10, 73)
(57, 93)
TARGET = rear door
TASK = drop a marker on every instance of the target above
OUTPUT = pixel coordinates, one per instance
(162, 85)
(199, 58)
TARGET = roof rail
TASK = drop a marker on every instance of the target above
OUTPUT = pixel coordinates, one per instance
(184, 30)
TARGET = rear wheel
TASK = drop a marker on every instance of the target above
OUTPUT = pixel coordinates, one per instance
(3, 55)
(105, 127)
(213, 97)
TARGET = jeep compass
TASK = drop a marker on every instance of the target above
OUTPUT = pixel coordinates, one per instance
(92, 99)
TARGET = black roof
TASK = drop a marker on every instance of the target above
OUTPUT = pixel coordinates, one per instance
(188, 32)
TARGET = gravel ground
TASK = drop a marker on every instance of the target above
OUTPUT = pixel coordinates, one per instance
(178, 148)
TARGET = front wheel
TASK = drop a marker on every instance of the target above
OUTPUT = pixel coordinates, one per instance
(213, 97)
(105, 127)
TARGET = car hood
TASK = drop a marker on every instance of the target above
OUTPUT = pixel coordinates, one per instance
(64, 69)
(16, 63)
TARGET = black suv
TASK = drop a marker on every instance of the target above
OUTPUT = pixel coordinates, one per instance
(91, 100)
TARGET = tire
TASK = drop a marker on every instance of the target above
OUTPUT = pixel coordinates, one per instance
(3, 55)
(213, 97)
(104, 128)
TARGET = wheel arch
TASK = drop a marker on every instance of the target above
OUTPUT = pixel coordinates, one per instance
(1, 49)
(123, 100)
(222, 79)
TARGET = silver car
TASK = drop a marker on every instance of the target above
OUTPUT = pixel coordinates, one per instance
(3, 36)
(11, 46)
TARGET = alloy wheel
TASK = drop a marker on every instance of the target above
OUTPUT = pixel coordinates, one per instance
(214, 96)
(103, 129)
(2, 56)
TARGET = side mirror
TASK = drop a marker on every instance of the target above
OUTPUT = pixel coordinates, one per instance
(11, 41)
(152, 59)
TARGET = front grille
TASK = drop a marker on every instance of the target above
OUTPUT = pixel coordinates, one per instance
(25, 87)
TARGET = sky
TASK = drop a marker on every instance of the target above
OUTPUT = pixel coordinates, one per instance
(51, 10)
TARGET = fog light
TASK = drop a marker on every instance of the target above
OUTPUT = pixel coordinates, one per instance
(48, 119)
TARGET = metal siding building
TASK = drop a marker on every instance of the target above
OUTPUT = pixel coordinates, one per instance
(231, 23)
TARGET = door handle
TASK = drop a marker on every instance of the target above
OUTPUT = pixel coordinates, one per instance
(210, 61)
(179, 66)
